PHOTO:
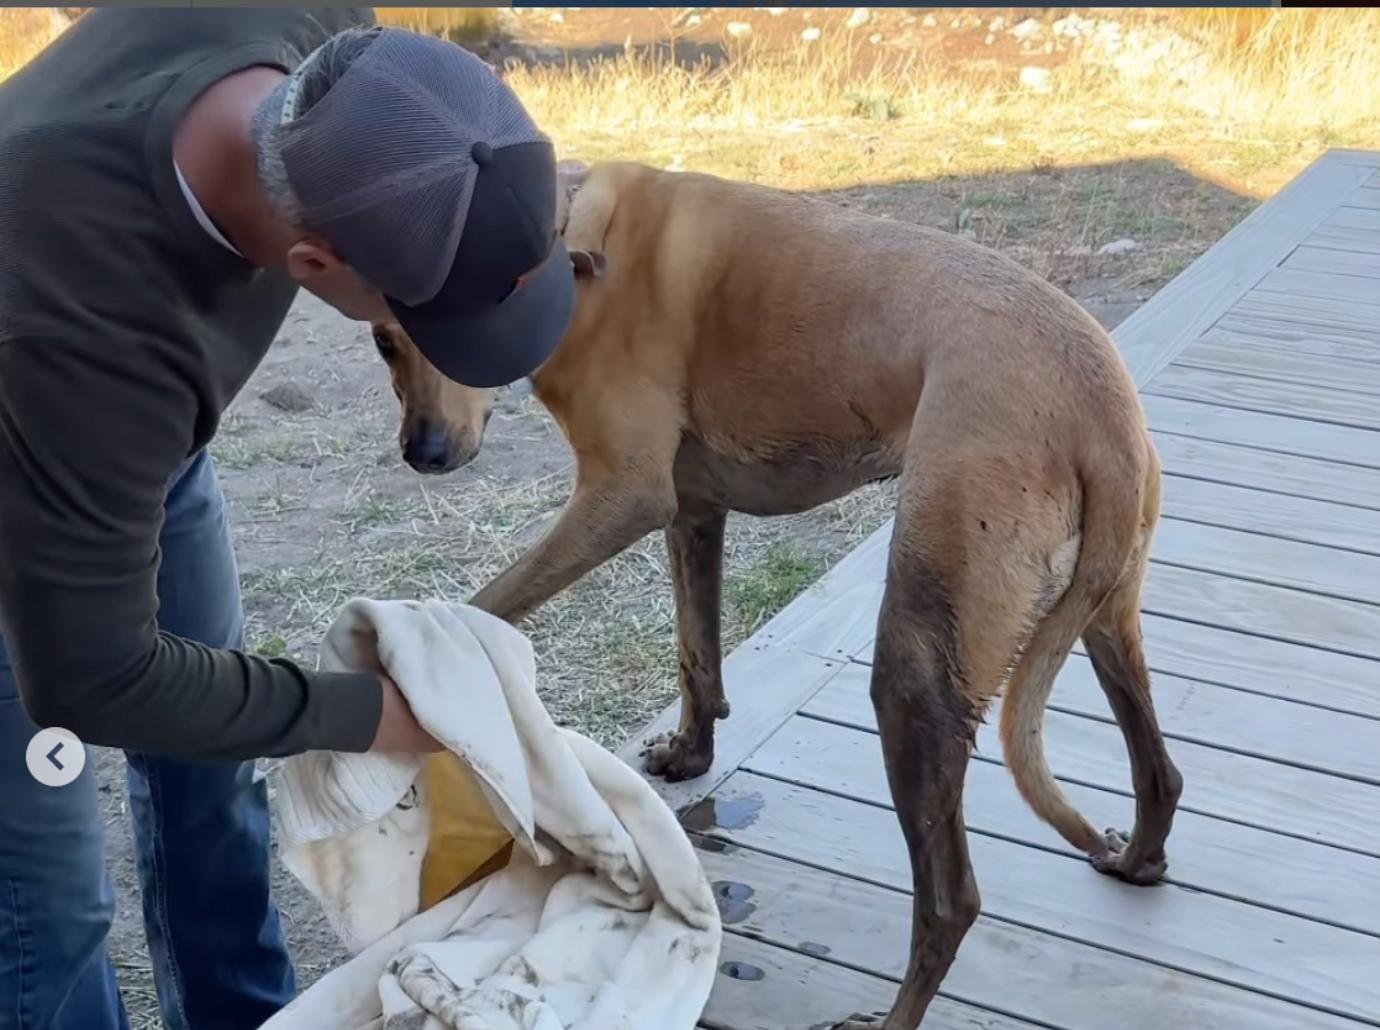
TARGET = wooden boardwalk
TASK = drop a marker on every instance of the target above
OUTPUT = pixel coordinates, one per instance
(1260, 371)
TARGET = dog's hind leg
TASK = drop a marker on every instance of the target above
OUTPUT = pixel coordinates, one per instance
(695, 543)
(927, 723)
(1113, 640)
(965, 573)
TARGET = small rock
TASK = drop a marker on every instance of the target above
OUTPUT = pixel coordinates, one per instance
(1121, 246)
(860, 16)
(776, 12)
(967, 234)
(1036, 78)
(737, 29)
(875, 38)
(997, 24)
(1028, 29)
(929, 21)
(555, 16)
(990, 39)
(811, 34)
(290, 397)
(693, 20)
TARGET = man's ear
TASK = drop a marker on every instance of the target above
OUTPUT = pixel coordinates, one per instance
(570, 174)
(588, 263)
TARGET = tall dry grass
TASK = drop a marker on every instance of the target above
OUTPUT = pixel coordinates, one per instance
(1242, 87)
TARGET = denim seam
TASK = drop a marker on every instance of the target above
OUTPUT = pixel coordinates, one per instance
(160, 881)
(19, 925)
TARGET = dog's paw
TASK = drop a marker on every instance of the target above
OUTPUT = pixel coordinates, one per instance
(670, 758)
(1120, 862)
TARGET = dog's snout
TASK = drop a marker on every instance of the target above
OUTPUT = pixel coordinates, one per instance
(428, 449)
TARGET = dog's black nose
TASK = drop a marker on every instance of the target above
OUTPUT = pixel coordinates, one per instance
(428, 451)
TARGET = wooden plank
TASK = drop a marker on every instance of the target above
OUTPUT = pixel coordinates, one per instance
(1269, 728)
(1248, 392)
(1240, 788)
(1270, 668)
(1262, 610)
(1272, 514)
(1269, 472)
(795, 991)
(1278, 433)
(1265, 559)
(1304, 360)
(1367, 196)
(1351, 155)
(1307, 258)
(1348, 229)
(1354, 341)
(1353, 291)
(1331, 316)
(1157, 332)
(1226, 859)
(1024, 973)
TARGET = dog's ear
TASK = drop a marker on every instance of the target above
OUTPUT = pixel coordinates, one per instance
(588, 263)
(570, 174)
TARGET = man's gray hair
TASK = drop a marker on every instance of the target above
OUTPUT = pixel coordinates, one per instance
(292, 98)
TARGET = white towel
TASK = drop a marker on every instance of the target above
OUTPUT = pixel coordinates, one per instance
(602, 920)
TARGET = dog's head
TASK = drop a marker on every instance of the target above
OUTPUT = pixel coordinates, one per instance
(442, 421)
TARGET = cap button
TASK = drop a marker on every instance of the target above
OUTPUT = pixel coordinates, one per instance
(482, 153)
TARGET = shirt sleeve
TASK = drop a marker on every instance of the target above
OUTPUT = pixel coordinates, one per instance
(90, 437)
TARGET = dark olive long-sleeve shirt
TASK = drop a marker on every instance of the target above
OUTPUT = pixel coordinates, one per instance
(125, 331)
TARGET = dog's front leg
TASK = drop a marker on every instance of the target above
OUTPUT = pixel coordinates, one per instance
(695, 544)
(598, 522)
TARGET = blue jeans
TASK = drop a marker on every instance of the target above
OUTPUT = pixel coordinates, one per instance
(200, 832)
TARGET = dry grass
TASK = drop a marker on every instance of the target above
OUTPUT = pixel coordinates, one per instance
(1227, 92)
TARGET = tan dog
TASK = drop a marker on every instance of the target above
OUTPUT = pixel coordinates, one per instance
(736, 348)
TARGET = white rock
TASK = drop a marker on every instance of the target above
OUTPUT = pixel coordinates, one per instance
(875, 38)
(860, 16)
(998, 23)
(737, 29)
(1121, 246)
(990, 39)
(811, 34)
(1028, 29)
(555, 16)
(776, 12)
(1036, 78)
(929, 21)
(693, 20)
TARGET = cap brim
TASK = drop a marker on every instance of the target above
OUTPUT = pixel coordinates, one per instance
(503, 343)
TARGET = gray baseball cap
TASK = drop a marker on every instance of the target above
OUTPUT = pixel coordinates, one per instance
(422, 169)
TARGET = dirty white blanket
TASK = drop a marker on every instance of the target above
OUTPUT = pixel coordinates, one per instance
(602, 920)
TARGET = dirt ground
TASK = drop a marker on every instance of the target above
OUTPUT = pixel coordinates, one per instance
(323, 508)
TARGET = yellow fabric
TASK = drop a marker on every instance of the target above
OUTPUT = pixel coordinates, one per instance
(466, 842)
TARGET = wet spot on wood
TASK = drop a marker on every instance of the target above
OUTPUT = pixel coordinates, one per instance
(720, 813)
(742, 971)
(734, 900)
(817, 950)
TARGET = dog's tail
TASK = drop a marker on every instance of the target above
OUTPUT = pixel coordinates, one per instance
(1112, 512)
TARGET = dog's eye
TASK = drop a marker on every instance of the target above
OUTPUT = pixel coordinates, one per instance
(385, 344)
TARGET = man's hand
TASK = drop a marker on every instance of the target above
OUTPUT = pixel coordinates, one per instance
(398, 727)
